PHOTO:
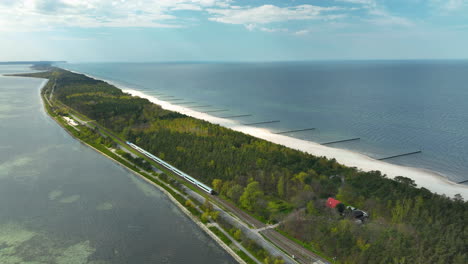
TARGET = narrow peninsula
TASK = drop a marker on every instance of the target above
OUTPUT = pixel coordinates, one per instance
(273, 204)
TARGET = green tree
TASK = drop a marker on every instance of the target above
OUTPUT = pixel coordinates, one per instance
(280, 187)
(207, 206)
(340, 207)
(188, 203)
(405, 180)
(250, 197)
(205, 217)
(235, 192)
(214, 215)
(311, 208)
(217, 184)
(237, 234)
(278, 261)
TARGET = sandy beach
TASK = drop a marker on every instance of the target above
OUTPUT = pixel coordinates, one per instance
(424, 178)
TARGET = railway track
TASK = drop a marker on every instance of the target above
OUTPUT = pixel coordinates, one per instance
(302, 255)
(288, 246)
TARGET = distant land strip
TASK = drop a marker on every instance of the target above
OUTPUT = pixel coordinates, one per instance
(29, 62)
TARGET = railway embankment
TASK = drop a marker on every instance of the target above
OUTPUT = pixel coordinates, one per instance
(177, 196)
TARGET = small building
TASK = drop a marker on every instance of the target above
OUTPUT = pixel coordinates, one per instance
(332, 203)
(359, 214)
(70, 121)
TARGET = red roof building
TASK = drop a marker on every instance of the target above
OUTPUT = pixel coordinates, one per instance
(332, 203)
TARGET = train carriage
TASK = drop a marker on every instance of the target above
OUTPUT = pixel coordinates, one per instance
(188, 178)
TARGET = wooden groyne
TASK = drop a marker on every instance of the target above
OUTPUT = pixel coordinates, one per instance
(215, 111)
(293, 131)
(235, 116)
(401, 155)
(186, 103)
(263, 122)
(200, 106)
(340, 141)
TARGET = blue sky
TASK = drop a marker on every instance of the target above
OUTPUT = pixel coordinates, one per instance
(232, 30)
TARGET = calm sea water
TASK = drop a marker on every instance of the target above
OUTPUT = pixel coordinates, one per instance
(393, 106)
(61, 202)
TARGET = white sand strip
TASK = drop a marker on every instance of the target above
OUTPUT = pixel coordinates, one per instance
(423, 178)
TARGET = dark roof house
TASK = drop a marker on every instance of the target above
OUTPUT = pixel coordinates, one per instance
(359, 214)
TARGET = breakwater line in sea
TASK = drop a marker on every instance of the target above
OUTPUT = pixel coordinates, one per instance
(431, 180)
(401, 155)
(340, 141)
(423, 178)
(201, 106)
(261, 123)
(216, 111)
(294, 131)
(235, 116)
(186, 103)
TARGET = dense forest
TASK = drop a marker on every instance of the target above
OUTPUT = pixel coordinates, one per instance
(406, 224)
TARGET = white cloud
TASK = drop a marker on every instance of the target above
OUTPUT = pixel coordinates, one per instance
(361, 2)
(272, 30)
(383, 18)
(455, 4)
(270, 13)
(302, 32)
(378, 15)
(188, 7)
(449, 5)
(26, 15)
(33, 15)
(252, 27)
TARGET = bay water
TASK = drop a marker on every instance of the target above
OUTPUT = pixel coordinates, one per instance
(62, 202)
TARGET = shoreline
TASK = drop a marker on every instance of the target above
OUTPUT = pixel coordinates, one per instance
(203, 227)
(428, 179)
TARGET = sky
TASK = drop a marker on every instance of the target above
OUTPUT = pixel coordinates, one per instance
(232, 30)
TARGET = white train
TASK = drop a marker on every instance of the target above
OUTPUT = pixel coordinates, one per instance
(173, 169)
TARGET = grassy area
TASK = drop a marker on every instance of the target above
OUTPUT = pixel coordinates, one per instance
(305, 245)
(245, 257)
(228, 242)
(221, 235)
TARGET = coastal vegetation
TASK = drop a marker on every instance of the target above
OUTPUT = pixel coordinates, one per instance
(88, 133)
(277, 184)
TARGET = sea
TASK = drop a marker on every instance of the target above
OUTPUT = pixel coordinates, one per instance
(389, 107)
(63, 203)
